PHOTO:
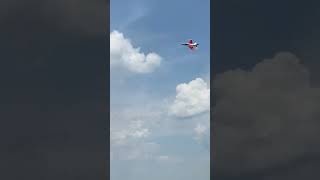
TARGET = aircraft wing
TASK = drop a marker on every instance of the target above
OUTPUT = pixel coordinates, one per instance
(190, 41)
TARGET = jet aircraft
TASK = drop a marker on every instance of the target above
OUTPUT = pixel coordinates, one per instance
(192, 45)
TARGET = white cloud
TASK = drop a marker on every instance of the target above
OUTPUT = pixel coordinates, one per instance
(124, 55)
(200, 131)
(191, 99)
(135, 150)
(168, 159)
(142, 151)
(130, 142)
(163, 158)
(202, 134)
(135, 131)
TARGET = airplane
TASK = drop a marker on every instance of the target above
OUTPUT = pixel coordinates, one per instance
(192, 45)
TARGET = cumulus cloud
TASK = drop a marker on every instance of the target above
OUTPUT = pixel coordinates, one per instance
(265, 118)
(136, 130)
(191, 99)
(124, 55)
(131, 142)
(202, 134)
(200, 131)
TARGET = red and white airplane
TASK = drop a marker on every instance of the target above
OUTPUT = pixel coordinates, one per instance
(192, 45)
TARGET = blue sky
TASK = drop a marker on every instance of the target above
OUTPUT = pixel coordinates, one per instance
(159, 90)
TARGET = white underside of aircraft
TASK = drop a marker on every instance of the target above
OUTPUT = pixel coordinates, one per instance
(192, 45)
